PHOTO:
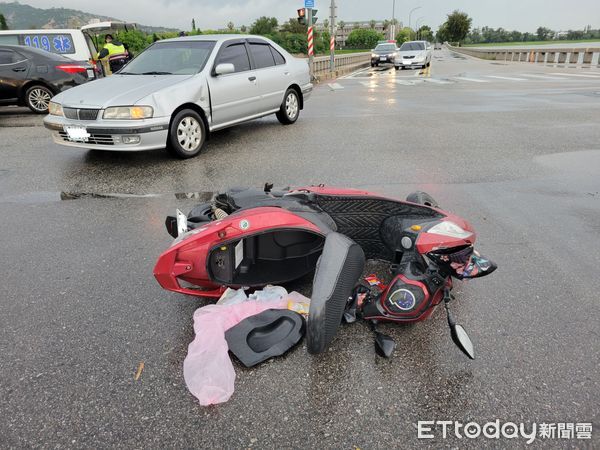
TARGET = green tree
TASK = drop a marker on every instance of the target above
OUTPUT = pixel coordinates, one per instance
(363, 38)
(3, 24)
(442, 33)
(134, 40)
(264, 26)
(403, 35)
(424, 33)
(372, 24)
(193, 24)
(293, 26)
(544, 34)
(341, 24)
(457, 26)
(230, 26)
(325, 24)
(243, 28)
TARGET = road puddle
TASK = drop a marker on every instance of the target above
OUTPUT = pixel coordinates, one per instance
(58, 196)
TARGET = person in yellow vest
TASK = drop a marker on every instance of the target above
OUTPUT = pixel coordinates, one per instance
(115, 52)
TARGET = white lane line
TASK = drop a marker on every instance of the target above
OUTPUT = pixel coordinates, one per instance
(586, 75)
(507, 78)
(405, 83)
(436, 81)
(541, 77)
(369, 84)
(474, 80)
(335, 86)
(350, 75)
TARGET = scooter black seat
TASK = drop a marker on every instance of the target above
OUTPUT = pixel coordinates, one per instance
(265, 335)
(338, 270)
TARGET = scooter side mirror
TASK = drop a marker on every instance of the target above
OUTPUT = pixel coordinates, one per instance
(462, 340)
(384, 344)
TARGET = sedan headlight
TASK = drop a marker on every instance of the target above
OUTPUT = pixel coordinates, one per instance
(55, 109)
(374, 55)
(128, 112)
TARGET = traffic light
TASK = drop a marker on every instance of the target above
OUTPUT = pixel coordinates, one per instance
(314, 16)
(302, 16)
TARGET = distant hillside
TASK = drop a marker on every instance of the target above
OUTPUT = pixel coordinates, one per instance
(23, 17)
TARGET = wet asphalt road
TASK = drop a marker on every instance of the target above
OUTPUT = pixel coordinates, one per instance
(519, 158)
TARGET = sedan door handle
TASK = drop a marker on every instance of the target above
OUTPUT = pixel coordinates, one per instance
(252, 78)
(19, 69)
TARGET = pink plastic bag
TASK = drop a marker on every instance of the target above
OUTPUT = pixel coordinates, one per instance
(207, 369)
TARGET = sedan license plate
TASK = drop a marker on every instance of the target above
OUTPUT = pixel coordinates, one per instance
(90, 73)
(383, 58)
(77, 134)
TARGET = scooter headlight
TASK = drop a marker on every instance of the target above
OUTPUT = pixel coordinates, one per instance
(447, 228)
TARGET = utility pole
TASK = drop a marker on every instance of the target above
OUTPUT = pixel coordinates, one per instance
(310, 40)
(332, 17)
(393, 25)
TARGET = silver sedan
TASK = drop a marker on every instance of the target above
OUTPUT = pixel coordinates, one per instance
(177, 91)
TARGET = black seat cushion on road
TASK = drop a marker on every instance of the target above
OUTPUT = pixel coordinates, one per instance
(265, 335)
(338, 270)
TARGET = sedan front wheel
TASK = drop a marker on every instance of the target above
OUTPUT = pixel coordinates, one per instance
(187, 134)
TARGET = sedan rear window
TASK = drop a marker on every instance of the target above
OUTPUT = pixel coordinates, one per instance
(8, 57)
(385, 48)
(171, 58)
(412, 46)
(279, 59)
(262, 55)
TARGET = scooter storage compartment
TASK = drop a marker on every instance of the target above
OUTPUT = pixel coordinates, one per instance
(267, 258)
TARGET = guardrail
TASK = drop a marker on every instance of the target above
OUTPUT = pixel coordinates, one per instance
(579, 56)
(343, 64)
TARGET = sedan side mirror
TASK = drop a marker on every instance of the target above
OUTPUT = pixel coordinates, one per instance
(224, 68)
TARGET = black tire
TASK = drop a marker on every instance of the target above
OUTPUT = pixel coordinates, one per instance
(372, 65)
(187, 134)
(290, 107)
(422, 198)
(428, 64)
(37, 98)
(397, 67)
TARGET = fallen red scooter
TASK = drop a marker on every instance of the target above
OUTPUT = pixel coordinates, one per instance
(253, 237)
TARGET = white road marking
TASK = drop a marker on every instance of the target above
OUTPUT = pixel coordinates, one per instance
(474, 80)
(436, 81)
(507, 78)
(405, 82)
(541, 77)
(369, 84)
(584, 75)
(335, 86)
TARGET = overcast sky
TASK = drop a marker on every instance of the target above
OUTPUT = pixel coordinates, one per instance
(523, 15)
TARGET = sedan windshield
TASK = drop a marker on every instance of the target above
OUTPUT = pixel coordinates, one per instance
(412, 46)
(171, 58)
(385, 48)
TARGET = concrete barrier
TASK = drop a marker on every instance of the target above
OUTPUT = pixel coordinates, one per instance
(343, 64)
(581, 56)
